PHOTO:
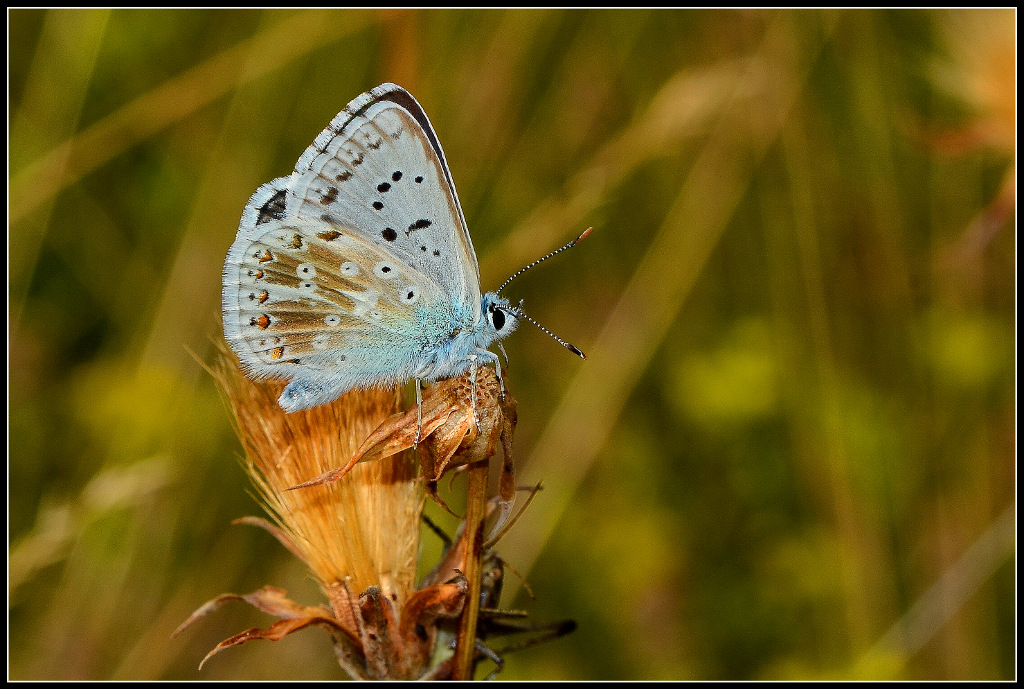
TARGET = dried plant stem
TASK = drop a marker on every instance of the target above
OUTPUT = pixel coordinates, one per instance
(476, 511)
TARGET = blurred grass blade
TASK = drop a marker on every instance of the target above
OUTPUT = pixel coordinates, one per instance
(657, 290)
(66, 163)
(946, 597)
(66, 54)
(57, 526)
(685, 107)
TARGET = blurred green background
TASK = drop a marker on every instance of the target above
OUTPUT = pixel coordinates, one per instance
(791, 452)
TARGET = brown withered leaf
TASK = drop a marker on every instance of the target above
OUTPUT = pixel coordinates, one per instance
(275, 632)
(274, 601)
(383, 644)
(269, 599)
(426, 606)
(451, 434)
(400, 645)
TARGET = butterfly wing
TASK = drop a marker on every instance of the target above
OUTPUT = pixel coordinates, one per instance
(316, 303)
(379, 168)
(348, 272)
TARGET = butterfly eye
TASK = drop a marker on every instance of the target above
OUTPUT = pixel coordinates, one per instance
(321, 341)
(497, 319)
(409, 295)
(305, 270)
(349, 269)
(384, 270)
(307, 286)
(332, 320)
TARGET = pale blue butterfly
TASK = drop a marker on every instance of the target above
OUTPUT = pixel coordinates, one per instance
(357, 270)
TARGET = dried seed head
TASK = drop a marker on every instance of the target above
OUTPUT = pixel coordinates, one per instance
(360, 532)
(357, 526)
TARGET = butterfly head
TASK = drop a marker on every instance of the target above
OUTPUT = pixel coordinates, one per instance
(502, 318)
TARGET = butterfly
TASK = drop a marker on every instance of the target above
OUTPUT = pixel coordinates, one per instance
(357, 270)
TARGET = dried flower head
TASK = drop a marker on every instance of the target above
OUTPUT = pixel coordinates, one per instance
(358, 528)
(363, 531)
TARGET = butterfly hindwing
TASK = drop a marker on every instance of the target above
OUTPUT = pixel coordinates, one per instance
(318, 297)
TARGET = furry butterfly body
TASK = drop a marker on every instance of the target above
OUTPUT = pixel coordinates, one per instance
(357, 270)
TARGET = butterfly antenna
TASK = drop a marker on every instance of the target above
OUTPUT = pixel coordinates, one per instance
(541, 260)
(572, 348)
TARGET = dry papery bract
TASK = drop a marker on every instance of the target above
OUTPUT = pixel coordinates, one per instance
(343, 489)
(454, 432)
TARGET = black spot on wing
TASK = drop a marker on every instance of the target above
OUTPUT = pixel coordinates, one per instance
(330, 196)
(273, 209)
(418, 225)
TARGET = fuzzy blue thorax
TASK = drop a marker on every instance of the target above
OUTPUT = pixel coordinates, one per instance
(457, 354)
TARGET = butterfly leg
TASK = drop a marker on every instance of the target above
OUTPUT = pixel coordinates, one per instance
(419, 414)
(497, 369)
(491, 655)
(472, 389)
(490, 357)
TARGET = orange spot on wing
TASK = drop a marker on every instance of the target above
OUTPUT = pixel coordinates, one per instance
(263, 321)
(267, 256)
(277, 353)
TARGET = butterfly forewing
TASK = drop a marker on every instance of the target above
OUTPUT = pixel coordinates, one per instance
(380, 172)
